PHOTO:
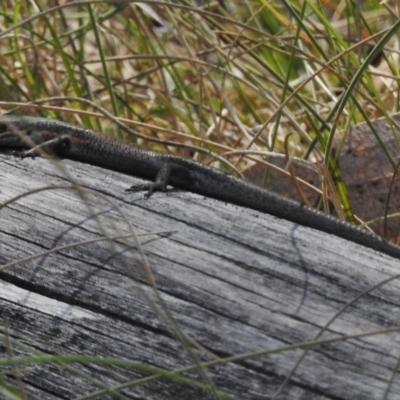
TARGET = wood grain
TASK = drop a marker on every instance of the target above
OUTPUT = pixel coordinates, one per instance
(234, 280)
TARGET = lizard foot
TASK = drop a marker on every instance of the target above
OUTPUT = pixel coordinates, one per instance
(24, 154)
(150, 187)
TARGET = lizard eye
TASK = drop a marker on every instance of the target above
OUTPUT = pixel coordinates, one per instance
(3, 128)
(27, 131)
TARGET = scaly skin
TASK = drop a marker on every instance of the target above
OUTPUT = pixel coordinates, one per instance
(87, 146)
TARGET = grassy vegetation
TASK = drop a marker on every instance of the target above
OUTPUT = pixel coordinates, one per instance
(244, 80)
(236, 79)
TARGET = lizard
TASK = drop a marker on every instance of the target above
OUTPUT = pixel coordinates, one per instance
(30, 135)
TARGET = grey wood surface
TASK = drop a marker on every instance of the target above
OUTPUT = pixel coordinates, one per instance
(234, 280)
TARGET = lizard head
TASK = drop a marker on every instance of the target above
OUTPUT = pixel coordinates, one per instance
(15, 132)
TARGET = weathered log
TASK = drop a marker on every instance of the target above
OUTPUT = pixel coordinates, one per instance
(233, 280)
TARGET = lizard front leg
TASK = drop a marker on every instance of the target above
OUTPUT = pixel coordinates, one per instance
(50, 144)
(168, 174)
